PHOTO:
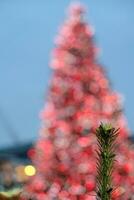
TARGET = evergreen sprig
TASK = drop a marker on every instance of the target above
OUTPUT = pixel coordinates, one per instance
(106, 137)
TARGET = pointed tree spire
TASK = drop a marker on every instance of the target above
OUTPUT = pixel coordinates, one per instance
(76, 11)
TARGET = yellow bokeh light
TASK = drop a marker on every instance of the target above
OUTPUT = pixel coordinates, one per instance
(30, 170)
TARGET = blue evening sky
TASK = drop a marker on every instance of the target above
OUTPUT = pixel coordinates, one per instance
(27, 31)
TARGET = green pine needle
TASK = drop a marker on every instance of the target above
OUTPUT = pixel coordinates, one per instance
(106, 136)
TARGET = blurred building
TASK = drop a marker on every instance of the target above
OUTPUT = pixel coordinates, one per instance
(15, 166)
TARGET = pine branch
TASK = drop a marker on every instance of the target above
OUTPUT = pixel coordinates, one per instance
(106, 136)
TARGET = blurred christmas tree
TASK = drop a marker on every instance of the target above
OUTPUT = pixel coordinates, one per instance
(80, 97)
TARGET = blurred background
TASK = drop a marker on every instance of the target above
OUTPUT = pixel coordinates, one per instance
(28, 29)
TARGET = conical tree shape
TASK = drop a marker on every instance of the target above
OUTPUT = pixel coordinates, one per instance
(79, 98)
